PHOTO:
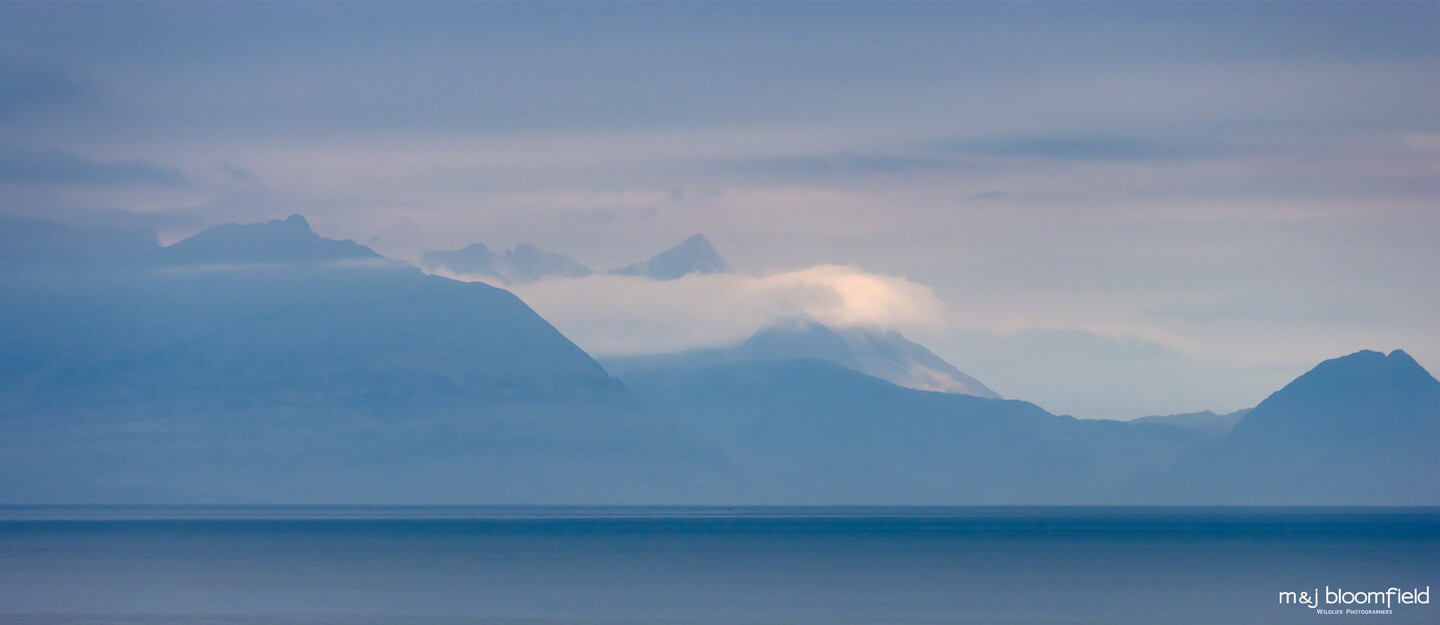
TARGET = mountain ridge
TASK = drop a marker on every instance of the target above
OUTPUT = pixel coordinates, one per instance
(523, 264)
(292, 374)
(1205, 420)
(887, 355)
(1358, 429)
(815, 432)
(288, 240)
(312, 382)
(694, 255)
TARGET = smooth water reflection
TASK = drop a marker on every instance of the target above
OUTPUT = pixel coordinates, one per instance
(703, 565)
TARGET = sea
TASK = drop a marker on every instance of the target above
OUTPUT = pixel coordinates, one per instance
(716, 565)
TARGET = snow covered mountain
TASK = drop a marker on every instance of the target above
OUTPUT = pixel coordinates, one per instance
(883, 354)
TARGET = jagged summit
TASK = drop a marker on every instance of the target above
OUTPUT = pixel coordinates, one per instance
(473, 258)
(1360, 428)
(1350, 398)
(524, 264)
(693, 255)
(1363, 372)
(288, 240)
(527, 263)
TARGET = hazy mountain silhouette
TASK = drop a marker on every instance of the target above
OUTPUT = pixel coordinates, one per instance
(1362, 429)
(693, 255)
(527, 263)
(1204, 421)
(524, 264)
(885, 355)
(814, 432)
(274, 367)
(277, 241)
(40, 243)
(310, 382)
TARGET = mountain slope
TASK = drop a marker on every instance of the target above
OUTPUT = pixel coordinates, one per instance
(1361, 429)
(309, 383)
(290, 373)
(885, 355)
(277, 241)
(814, 432)
(693, 255)
(1204, 421)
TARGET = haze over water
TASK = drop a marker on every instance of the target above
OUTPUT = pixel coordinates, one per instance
(719, 253)
(705, 565)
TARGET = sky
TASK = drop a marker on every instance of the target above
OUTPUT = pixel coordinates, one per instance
(1110, 209)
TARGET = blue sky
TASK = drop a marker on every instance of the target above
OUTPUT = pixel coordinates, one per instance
(1117, 208)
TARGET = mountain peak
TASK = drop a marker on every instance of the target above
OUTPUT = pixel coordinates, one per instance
(476, 248)
(1366, 389)
(1401, 359)
(288, 240)
(1358, 428)
(693, 255)
(885, 354)
(696, 241)
(882, 354)
(1366, 367)
(525, 263)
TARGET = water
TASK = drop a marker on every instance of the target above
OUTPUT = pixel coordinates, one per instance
(513, 566)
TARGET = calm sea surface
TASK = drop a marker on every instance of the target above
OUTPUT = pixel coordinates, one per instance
(270, 565)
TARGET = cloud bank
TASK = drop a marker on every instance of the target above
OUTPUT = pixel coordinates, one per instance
(627, 315)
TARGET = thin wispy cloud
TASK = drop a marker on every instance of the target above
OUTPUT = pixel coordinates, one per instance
(611, 315)
(54, 167)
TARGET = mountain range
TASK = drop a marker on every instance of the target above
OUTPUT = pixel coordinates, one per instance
(266, 364)
(1356, 430)
(290, 372)
(815, 432)
(1363, 429)
(526, 263)
(1204, 421)
(523, 264)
